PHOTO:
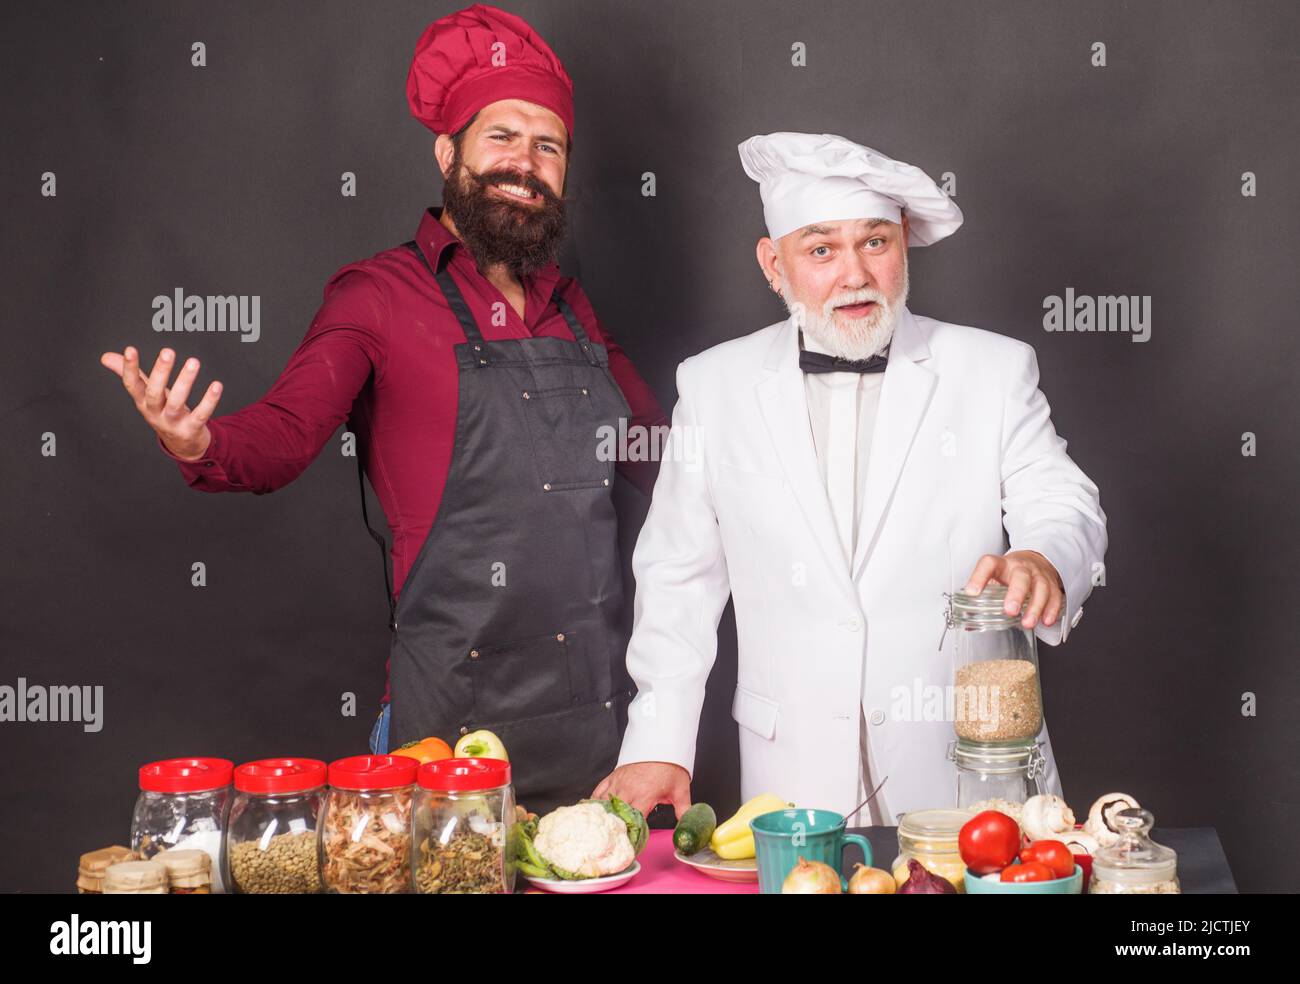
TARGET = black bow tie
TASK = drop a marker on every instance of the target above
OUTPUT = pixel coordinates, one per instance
(818, 362)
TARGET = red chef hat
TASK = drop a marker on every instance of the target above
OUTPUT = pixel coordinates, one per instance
(479, 55)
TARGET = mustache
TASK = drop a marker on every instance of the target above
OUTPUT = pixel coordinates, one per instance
(848, 298)
(505, 175)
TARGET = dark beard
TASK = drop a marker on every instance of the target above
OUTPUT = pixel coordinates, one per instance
(522, 238)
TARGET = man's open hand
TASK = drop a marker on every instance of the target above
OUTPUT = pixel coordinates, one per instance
(1027, 574)
(182, 430)
(645, 785)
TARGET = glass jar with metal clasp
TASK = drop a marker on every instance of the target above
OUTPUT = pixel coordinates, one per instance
(997, 699)
(997, 777)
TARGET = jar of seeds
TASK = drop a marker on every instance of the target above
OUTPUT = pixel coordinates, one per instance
(464, 821)
(365, 832)
(996, 696)
(271, 838)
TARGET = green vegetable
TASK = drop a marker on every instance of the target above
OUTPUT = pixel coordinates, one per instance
(694, 829)
(638, 831)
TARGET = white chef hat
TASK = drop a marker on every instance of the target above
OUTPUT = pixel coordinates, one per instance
(805, 178)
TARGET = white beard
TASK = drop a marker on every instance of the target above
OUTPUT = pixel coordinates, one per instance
(859, 338)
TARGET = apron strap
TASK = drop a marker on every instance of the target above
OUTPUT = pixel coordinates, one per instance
(575, 326)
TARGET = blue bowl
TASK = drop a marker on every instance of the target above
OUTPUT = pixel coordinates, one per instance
(975, 885)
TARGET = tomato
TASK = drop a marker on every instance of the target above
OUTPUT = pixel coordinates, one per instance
(989, 842)
(1029, 871)
(1052, 853)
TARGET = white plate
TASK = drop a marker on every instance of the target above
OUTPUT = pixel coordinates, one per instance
(581, 886)
(708, 863)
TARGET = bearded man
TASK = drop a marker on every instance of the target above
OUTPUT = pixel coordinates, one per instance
(478, 380)
(857, 462)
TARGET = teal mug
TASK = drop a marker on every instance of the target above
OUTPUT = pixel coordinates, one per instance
(783, 837)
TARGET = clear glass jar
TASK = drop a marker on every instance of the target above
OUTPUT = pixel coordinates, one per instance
(365, 830)
(997, 777)
(1135, 864)
(997, 699)
(271, 844)
(183, 803)
(930, 837)
(463, 830)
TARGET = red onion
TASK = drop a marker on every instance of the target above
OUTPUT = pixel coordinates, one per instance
(920, 881)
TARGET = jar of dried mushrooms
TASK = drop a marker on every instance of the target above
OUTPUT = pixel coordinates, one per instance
(365, 831)
(996, 697)
(271, 844)
(464, 821)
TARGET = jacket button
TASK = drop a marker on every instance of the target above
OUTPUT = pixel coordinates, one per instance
(559, 637)
(546, 486)
(854, 624)
(606, 482)
(584, 392)
(608, 704)
(464, 730)
(473, 654)
(877, 716)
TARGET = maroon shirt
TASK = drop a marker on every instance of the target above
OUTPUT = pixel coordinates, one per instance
(386, 315)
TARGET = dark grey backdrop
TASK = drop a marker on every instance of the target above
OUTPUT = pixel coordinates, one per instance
(225, 179)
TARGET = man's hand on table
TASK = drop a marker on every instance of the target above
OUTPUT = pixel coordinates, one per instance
(645, 785)
(1027, 574)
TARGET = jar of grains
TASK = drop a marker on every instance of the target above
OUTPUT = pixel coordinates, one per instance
(464, 820)
(271, 838)
(1135, 864)
(997, 777)
(996, 697)
(365, 832)
(930, 837)
(183, 803)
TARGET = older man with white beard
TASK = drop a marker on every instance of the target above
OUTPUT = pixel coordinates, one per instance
(837, 569)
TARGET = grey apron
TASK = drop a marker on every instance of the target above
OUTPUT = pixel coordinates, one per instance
(510, 617)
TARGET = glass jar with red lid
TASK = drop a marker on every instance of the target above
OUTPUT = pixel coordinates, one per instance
(183, 803)
(463, 827)
(271, 837)
(365, 829)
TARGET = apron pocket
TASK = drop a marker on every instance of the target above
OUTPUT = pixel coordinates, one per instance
(520, 679)
(557, 759)
(560, 421)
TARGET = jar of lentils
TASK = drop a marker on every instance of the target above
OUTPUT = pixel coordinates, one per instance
(271, 838)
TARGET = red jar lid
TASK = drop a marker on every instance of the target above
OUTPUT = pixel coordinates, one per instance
(280, 775)
(459, 774)
(186, 775)
(373, 772)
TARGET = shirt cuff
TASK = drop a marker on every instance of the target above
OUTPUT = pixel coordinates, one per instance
(207, 469)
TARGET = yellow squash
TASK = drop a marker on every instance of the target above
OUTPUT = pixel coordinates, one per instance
(733, 839)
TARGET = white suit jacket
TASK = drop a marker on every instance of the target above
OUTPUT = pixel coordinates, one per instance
(963, 446)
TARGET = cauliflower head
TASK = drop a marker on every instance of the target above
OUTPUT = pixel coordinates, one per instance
(585, 839)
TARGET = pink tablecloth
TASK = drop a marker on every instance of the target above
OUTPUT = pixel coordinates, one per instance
(661, 873)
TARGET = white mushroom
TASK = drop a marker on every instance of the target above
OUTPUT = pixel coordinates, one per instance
(1046, 818)
(1081, 842)
(1101, 818)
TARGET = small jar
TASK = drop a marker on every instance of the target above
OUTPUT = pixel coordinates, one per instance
(183, 803)
(189, 872)
(136, 878)
(997, 699)
(271, 844)
(93, 864)
(930, 837)
(464, 821)
(1135, 864)
(997, 777)
(365, 832)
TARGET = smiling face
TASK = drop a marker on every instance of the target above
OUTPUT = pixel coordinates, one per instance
(504, 181)
(844, 282)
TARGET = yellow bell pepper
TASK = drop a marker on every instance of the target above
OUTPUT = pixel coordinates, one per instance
(733, 839)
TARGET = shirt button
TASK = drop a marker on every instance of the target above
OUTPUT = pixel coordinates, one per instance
(854, 624)
(877, 716)
(207, 464)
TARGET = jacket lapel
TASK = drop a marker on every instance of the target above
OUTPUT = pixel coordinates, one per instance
(904, 396)
(784, 405)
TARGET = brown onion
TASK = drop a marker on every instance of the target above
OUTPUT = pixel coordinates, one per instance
(871, 881)
(811, 878)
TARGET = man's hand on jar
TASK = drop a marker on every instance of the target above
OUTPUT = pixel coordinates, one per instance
(1027, 574)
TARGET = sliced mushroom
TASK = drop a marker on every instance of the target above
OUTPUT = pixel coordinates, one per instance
(1101, 818)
